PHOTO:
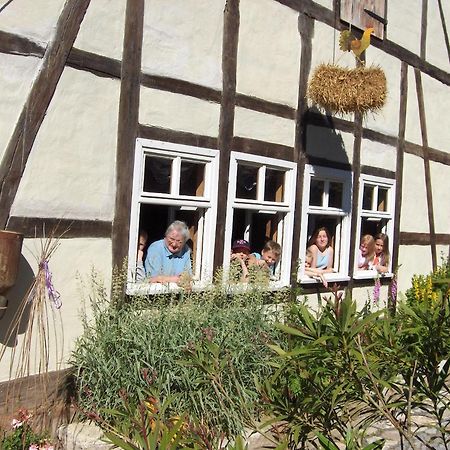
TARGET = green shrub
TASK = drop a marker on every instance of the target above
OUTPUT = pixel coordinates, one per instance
(204, 349)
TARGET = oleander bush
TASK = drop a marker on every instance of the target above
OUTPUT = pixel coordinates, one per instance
(204, 349)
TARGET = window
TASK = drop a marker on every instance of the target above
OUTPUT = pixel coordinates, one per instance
(376, 213)
(327, 203)
(175, 182)
(261, 197)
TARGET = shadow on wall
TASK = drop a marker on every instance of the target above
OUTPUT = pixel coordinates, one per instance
(15, 297)
(322, 140)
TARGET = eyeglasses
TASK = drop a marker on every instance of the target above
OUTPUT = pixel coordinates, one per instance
(172, 240)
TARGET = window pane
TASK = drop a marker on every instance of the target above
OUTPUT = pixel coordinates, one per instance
(274, 186)
(382, 199)
(246, 182)
(335, 195)
(192, 179)
(157, 173)
(367, 197)
(316, 192)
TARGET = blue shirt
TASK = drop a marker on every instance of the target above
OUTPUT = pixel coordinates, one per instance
(160, 261)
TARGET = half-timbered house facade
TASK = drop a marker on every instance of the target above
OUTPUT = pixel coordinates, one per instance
(124, 115)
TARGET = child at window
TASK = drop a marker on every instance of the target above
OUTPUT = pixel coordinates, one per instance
(366, 251)
(382, 257)
(240, 251)
(268, 258)
(142, 242)
(322, 253)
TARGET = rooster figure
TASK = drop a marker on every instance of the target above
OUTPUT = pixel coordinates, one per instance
(348, 42)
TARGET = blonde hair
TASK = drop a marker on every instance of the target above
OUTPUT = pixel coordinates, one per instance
(272, 246)
(369, 240)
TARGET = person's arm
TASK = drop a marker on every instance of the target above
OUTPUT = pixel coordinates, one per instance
(313, 249)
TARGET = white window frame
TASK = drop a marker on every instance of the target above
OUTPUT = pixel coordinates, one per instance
(286, 206)
(389, 215)
(208, 202)
(328, 175)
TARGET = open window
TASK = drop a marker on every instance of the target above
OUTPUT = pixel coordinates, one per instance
(175, 182)
(326, 203)
(376, 214)
(261, 197)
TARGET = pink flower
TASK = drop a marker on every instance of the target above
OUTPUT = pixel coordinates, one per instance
(16, 423)
(33, 447)
(376, 291)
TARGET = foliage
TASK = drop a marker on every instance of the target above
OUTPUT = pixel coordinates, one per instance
(153, 338)
(22, 436)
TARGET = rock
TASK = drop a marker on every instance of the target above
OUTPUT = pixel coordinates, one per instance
(82, 436)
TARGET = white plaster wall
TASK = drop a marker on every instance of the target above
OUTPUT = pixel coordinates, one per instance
(436, 98)
(183, 39)
(73, 261)
(375, 154)
(414, 214)
(268, 52)
(326, 3)
(330, 144)
(364, 295)
(256, 125)
(412, 130)
(16, 78)
(404, 23)
(443, 253)
(70, 172)
(436, 48)
(35, 19)
(178, 112)
(440, 174)
(386, 120)
(102, 28)
(413, 260)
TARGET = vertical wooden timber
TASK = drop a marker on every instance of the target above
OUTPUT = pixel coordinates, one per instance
(356, 164)
(226, 124)
(128, 127)
(34, 110)
(399, 163)
(426, 164)
(306, 29)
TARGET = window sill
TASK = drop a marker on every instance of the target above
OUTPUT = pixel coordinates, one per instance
(329, 277)
(370, 275)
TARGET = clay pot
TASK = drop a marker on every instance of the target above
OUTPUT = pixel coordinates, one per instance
(10, 249)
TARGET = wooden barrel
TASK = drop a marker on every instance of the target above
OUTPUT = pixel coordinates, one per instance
(10, 249)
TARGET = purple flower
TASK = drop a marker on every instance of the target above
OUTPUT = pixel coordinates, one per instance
(376, 291)
(393, 290)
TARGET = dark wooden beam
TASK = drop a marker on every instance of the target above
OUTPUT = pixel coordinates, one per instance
(265, 106)
(263, 148)
(226, 124)
(127, 128)
(19, 45)
(33, 113)
(411, 238)
(426, 164)
(99, 65)
(41, 227)
(306, 31)
(399, 161)
(327, 16)
(178, 86)
(444, 28)
(378, 172)
(178, 137)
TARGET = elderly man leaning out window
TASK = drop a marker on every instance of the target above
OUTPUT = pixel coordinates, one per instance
(167, 258)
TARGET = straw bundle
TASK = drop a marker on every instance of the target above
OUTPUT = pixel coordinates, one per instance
(342, 90)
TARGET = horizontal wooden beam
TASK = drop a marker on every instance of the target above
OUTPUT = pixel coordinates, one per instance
(378, 172)
(102, 66)
(19, 45)
(178, 137)
(262, 148)
(41, 227)
(265, 106)
(412, 238)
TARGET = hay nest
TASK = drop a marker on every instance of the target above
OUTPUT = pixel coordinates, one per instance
(342, 90)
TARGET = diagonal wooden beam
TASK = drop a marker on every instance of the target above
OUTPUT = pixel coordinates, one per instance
(128, 127)
(444, 28)
(35, 108)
